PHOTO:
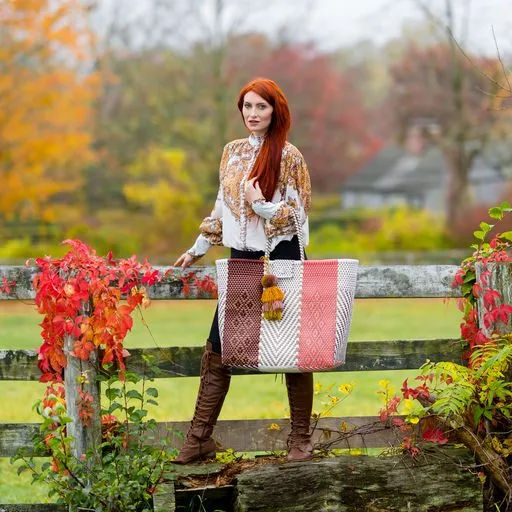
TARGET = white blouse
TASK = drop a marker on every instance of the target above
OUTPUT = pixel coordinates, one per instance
(235, 223)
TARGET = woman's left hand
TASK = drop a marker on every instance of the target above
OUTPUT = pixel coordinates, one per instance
(253, 191)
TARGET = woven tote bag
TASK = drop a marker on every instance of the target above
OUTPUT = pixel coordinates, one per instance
(312, 333)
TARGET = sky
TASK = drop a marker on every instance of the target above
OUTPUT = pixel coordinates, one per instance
(341, 22)
(334, 23)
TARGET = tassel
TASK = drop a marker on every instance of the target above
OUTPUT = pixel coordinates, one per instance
(272, 298)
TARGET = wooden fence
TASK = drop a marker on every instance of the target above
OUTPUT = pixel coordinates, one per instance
(254, 435)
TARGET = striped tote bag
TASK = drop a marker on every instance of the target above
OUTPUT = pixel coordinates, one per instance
(309, 333)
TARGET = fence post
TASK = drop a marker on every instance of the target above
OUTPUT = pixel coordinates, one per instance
(495, 276)
(82, 376)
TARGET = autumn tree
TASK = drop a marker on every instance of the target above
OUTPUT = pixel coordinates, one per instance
(444, 82)
(330, 123)
(46, 94)
(164, 200)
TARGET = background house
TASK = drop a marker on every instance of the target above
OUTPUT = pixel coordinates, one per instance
(416, 175)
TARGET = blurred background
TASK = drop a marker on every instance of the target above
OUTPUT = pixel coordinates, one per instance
(113, 115)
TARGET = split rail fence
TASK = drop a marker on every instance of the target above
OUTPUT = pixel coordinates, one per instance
(431, 281)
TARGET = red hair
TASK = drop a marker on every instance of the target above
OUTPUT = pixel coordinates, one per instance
(267, 166)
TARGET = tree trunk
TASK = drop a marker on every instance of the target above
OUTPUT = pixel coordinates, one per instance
(457, 198)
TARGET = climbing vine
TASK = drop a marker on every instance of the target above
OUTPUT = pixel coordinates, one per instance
(80, 295)
(470, 403)
(87, 303)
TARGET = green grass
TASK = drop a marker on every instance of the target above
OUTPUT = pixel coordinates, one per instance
(261, 396)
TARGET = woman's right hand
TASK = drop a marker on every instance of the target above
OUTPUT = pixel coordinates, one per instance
(185, 260)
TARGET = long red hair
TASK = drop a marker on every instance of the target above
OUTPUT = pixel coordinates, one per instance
(268, 163)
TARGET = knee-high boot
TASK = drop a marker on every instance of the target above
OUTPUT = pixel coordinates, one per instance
(300, 397)
(213, 387)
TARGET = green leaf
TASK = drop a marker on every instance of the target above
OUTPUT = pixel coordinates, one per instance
(133, 393)
(138, 415)
(477, 414)
(132, 377)
(479, 235)
(152, 392)
(466, 289)
(112, 393)
(114, 407)
(488, 414)
(151, 401)
(470, 276)
(21, 469)
(507, 235)
(496, 213)
(486, 227)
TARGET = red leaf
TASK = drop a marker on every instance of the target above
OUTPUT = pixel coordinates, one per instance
(434, 435)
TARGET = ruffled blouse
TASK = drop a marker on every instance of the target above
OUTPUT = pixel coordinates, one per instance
(235, 223)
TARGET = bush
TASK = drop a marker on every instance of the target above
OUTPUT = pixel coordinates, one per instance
(397, 229)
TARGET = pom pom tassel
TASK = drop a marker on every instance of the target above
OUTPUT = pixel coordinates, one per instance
(272, 298)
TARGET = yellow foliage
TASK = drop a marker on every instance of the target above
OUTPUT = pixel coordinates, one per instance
(45, 106)
(395, 229)
(346, 389)
(168, 197)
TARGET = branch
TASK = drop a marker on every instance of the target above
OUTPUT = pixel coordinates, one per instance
(494, 464)
(363, 430)
(503, 68)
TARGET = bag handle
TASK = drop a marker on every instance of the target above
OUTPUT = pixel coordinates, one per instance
(272, 296)
(300, 236)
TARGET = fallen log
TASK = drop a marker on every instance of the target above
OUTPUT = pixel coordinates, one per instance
(348, 483)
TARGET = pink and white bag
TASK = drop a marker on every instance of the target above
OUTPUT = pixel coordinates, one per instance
(316, 315)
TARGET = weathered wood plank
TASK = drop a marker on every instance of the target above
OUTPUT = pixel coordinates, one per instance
(240, 435)
(164, 498)
(16, 436)
(19, 365)
(345, 484)
(431, 482)
(393, 281)
(34, 507)
(499, 278)
(84, 437)
(406, 281)
(21, 278)
(185, 361)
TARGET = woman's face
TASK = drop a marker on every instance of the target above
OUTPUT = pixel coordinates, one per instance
(257, 113)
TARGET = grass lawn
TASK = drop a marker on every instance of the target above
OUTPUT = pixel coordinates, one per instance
(261, 396)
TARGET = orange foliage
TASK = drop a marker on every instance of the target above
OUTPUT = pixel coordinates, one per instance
(46, 99)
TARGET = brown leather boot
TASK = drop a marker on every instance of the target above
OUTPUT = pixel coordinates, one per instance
(300, 397)
(213, 387)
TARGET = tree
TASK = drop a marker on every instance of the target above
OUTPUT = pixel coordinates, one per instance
(46, 96)
(165, 199)
(447, 85)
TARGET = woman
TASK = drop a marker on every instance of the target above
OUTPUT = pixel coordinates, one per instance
(263, 178)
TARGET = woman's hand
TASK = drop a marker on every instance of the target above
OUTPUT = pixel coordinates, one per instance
(253, 191)
(185, 260)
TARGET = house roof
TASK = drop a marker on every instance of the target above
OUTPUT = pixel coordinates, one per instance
(395, 170)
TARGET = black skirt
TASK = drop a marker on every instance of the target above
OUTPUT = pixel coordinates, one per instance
(285, 250)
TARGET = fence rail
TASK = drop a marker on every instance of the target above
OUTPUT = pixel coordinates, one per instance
(401, 281)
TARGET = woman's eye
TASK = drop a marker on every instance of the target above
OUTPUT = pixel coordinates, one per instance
(262, 107)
